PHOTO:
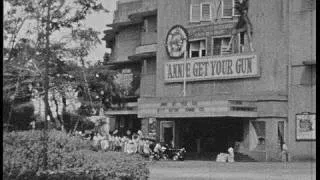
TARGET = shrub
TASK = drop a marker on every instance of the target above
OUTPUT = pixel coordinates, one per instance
(68, 158)
(22, 115)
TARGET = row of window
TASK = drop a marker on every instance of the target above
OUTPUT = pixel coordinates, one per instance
(198, 48)
(203, 11)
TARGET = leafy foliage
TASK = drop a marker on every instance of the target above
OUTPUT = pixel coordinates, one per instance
(69, 158)
(25, 57)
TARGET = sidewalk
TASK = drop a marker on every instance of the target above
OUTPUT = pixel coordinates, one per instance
(200, 170)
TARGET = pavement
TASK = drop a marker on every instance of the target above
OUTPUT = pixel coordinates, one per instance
(204, 170)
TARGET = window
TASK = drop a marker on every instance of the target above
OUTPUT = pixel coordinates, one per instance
(195, 13)
(205, 12)
(235, 11)
(220, 46)
(200, 12)
(228, 9)
(241, 42)
(197, 48)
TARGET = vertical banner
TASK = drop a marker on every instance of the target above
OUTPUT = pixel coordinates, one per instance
(305, 126)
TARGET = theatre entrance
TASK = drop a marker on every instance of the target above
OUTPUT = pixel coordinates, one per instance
(127, 122)
(210, 135)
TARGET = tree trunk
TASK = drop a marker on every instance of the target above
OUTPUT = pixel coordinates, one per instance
(64, 109)
(57, 111)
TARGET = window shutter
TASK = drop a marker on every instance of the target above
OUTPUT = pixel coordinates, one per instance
(205, 12)
(235, 11)
(195, 13)
(227, 8)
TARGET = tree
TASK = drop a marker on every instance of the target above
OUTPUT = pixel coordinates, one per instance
(49, 17)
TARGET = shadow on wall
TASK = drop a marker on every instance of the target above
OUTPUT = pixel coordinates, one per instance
(308, 76)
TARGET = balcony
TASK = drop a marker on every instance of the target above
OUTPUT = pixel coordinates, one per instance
(148, 38)
(144, 51)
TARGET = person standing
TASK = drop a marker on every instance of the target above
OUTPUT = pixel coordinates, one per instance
(33, 125)
(284, 153)
(230, 155)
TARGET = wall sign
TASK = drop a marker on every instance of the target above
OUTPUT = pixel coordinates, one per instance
(195, 32)
(227, 67)
(306, 126)
(176, 41)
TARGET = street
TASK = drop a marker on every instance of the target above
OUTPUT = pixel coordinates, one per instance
(200, 170)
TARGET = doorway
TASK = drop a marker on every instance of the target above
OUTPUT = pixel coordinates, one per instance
(210, 135)
(167, 132)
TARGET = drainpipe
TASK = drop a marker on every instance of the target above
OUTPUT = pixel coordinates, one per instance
(289, 74)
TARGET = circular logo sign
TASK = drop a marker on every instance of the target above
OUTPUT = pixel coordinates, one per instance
(176, 41)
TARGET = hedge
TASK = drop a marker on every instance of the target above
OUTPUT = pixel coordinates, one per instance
(68, 158)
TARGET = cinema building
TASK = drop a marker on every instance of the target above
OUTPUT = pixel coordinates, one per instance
(213, 97)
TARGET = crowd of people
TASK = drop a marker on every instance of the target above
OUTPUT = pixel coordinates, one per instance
(129, 143)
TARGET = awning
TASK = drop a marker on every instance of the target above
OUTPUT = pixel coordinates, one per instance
(142, 56)
(310, 63)
(182, 108)
(121, 112)
(135, 61)
(118, 25)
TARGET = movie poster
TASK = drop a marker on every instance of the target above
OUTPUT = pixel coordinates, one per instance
(306, 126)
(152, 127)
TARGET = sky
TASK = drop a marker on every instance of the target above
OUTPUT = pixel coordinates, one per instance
(97, 21)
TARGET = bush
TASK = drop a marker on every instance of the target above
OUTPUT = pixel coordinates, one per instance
(68, 158)
(22, 115)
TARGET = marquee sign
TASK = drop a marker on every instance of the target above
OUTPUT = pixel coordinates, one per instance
(196, 108)
(176, 41)
(208, 68)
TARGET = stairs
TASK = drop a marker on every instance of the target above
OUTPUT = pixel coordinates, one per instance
(239, 157)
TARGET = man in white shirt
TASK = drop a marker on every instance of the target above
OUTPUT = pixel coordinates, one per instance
(230, 155)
